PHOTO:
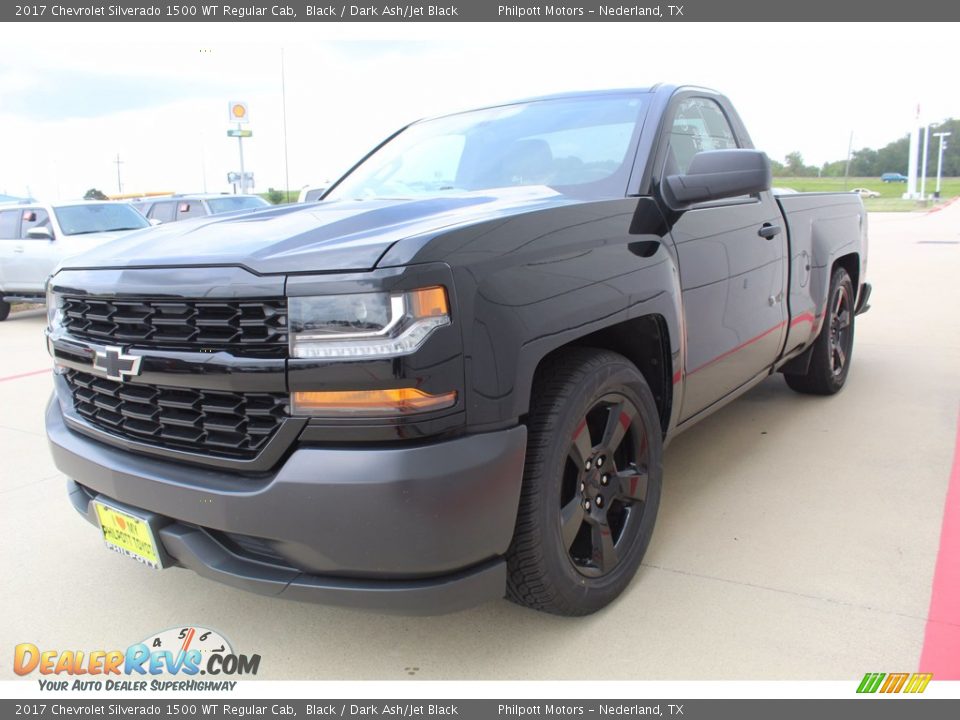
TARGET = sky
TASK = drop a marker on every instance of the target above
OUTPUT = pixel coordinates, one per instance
(157, 94)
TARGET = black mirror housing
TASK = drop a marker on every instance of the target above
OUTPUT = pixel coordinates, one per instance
(718, 174)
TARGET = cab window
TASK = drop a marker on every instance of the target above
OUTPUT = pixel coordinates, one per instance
(163, 211)
(31, 219)
(190, 209)
(698, 125)
(9, 224)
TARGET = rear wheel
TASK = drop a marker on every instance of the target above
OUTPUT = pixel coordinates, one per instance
(4, 310)
(591, 484)
(833, 348)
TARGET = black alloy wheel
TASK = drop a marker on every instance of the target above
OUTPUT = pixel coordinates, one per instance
(604, 489)
(591, 484)
(841, 338)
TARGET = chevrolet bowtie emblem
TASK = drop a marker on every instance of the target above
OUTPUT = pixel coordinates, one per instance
(117, 366)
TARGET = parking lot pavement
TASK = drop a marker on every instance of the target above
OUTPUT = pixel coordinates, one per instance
(797, 537)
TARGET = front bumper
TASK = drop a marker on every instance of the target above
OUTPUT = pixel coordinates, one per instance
(416, 529)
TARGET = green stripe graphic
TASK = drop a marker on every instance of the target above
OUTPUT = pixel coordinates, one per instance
(870, 682)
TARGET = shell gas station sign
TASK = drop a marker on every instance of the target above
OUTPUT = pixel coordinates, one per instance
(239, 112)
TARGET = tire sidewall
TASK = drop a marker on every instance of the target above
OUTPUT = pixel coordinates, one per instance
(840, 277)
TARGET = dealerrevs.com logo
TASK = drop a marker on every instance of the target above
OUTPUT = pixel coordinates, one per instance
(894, 682)
(168, 660)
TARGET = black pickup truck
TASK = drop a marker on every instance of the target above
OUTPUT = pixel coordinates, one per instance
(453, 378)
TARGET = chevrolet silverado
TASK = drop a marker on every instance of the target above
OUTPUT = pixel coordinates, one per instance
(453, 378)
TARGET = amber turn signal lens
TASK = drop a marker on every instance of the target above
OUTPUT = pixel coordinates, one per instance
(428, 302)
(398, 401)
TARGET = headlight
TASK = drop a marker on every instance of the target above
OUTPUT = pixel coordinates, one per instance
(54, 309)
(365, 325)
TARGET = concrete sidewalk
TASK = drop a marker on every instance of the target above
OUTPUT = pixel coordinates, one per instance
(797, 535)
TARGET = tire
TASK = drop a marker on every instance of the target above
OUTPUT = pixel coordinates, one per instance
(4, 310)
(582, 529)
(833, 348)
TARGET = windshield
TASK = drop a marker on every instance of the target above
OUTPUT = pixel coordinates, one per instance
(574, 144)
(98, 217)
(231, 203)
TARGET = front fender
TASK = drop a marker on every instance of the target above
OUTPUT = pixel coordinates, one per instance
(546, 279)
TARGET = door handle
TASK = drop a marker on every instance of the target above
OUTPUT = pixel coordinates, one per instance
(18, 249)
(768, 231)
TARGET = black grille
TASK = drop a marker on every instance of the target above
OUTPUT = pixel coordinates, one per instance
(213, 422)
(177, 323)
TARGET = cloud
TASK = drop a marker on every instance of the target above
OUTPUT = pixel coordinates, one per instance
(50, 96)
(66, 113)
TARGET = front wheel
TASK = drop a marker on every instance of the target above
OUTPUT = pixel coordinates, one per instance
(591, 484)
(4, 310)
(833, 348)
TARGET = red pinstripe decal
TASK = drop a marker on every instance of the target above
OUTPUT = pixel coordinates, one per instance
(802, 318)
(739, 347)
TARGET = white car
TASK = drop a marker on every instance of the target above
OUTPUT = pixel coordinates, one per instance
(866, 192)
(34, 237)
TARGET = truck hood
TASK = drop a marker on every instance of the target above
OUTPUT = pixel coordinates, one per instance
(334, 236)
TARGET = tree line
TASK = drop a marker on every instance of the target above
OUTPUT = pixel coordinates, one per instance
(893, 157)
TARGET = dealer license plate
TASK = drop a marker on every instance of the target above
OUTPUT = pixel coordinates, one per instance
(128, 534)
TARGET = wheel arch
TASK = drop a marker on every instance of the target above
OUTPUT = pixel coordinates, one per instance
(851, 263)
(645, 341)
(800, 364)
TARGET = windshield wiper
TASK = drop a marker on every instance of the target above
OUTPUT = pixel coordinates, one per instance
(91, 232)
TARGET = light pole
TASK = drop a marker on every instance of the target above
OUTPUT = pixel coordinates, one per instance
(243, 173)
(118, 162)
(923, 172)
(940, 135)
(240, 115)
(911, 193)
(846, 171)
(283, 95)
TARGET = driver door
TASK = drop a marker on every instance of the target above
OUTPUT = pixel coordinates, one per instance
(732, 278)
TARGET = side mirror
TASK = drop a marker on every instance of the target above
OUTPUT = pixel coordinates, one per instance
(718, 174)
(40, 232)
(155, 222)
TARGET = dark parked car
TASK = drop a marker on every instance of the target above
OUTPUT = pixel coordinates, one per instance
(893, 177)
(182, 207)
(453, 379)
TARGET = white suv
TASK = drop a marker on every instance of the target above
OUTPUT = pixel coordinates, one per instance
(34, 237)
(171, 208)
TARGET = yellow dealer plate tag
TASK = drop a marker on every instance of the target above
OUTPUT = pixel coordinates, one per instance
(128, 535)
